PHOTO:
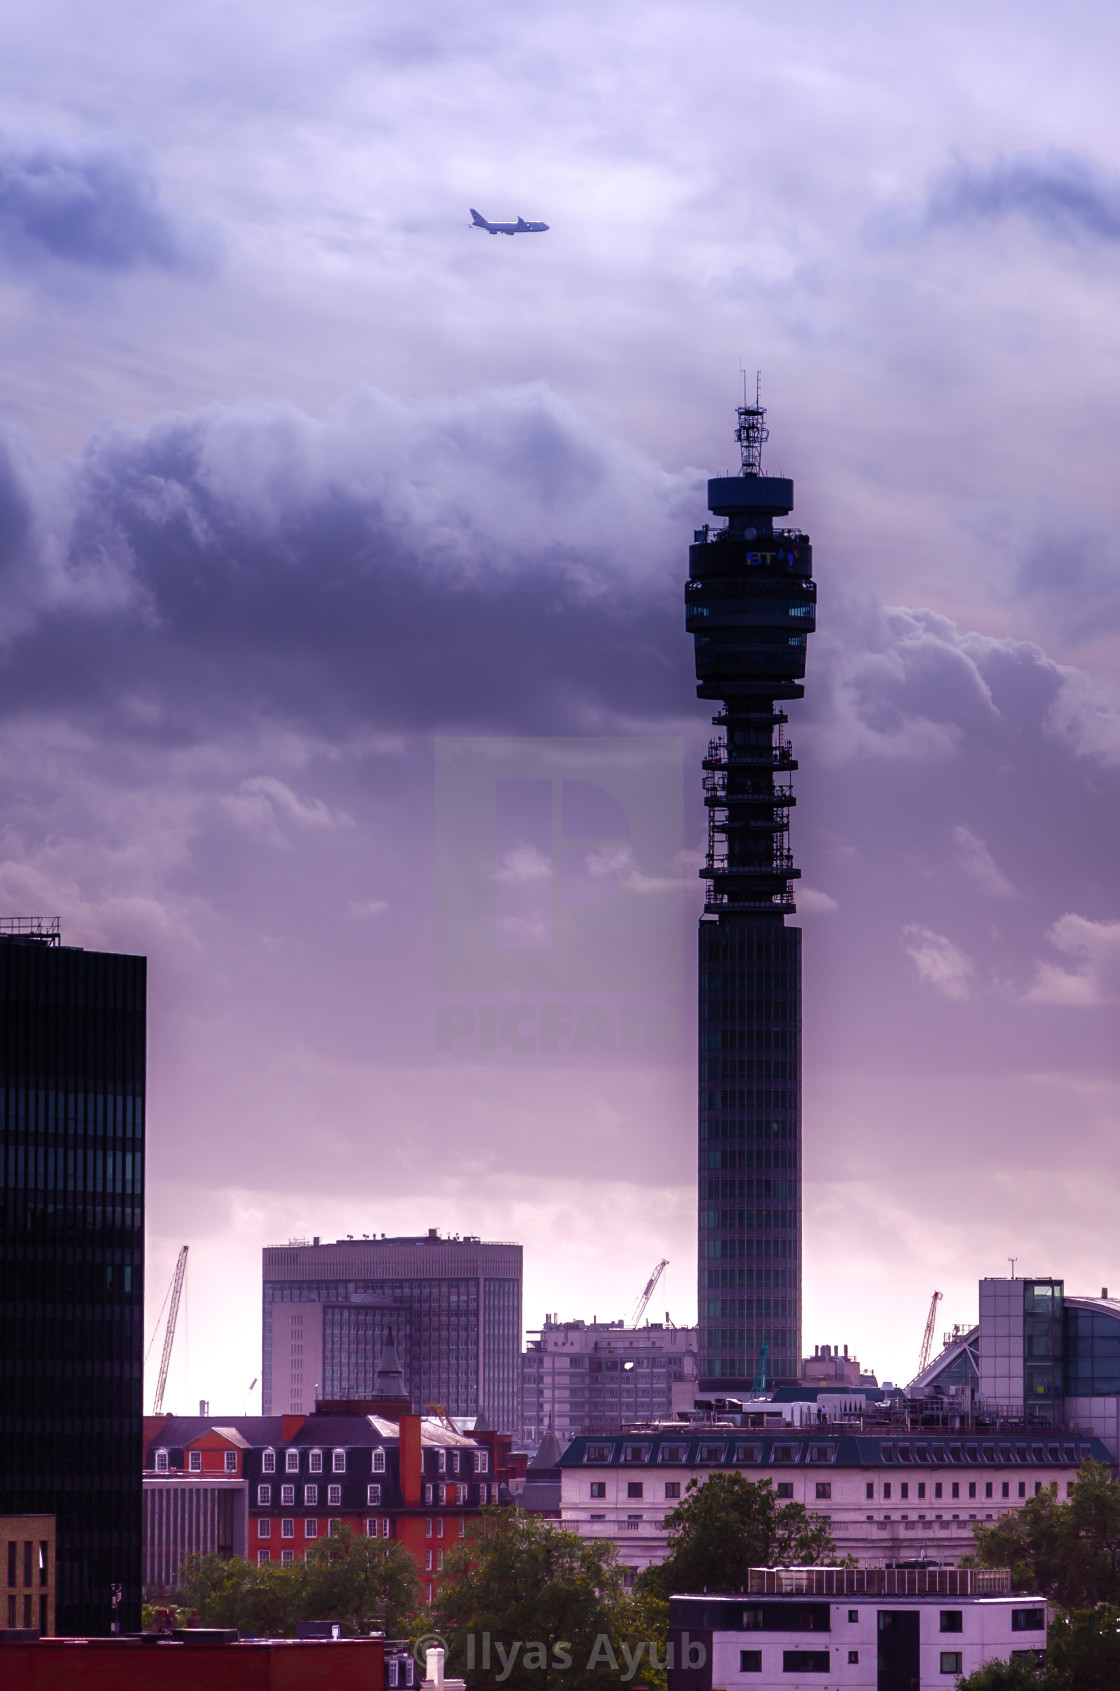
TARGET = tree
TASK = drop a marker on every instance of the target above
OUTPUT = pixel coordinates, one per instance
(349, 1578)
(1019, 1675)
(1083, 1654)
(1069, 1552)
(728, 1524)
(528, 1605)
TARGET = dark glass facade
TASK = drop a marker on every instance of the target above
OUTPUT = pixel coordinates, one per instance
(750, 604)
(1092, 1359)
(72, 1046)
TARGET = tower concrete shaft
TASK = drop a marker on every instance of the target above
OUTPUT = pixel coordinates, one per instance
(750, 606)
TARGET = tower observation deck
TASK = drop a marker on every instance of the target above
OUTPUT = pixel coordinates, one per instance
(750, 604)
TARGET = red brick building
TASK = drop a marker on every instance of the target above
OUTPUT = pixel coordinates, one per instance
(299, 1478)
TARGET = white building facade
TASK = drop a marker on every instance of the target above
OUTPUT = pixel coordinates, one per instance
(599, 1376)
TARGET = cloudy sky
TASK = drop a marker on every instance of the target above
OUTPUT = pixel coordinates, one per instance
(321, 513)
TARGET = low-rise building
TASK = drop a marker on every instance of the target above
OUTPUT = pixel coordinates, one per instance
(27, 1569)
(862, 1630)
(272, 1486)
(890, 1495)
(829, 1367)
(599, 1376)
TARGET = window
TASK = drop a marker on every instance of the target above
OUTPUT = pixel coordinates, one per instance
(634, 1488)
(598, 1488)
(378, 1463)
(988, 1488)
(1022, 1488)
(194, 1461)
(439, 1561)
(822, 1453)
(853, 1615)
(1028, 1620)
(439, 1527)
(268, 1462)
(956, 1488)
(1005, 1489)
(717, 1452)
(785, 1452)
(887, 1490)
(672, 1488)
(429, 1558)
(428, 1527)
(441, 1461)
(951, 1661)
(870, 1490)
(372, 1527)
(972, 1488)
(264, 1496)
(785, 1488)
(264, 1527)
(334, 1526)
(161, 1462)
(743, 1453)
(937, 1488)
(287, 1495)
(482, 1461)
(311, 1527)
(921, 1489)
(1038, 1488)
(315, 1462)
(334, 1495)
(263, 1556)
(427, 1494)
(598, 1453)
(805, 1661)
(291, 1461)
(462, 1526)
(287, 1555)
(338, 1461)
(373, 1494)
(750, 1661)
(853, 1658)
(231, 1461)
(824, 1488)
(952, 1620)
(287, 1527)
(904, 1491)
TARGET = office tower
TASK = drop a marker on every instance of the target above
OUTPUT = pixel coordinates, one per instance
(750, 604)
(72, 1027)
(452, 1305)
(599, 1376)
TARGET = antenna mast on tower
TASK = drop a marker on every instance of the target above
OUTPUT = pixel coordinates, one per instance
(752, 433)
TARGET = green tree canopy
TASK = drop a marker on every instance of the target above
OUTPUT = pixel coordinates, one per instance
(529, 1606)
(1067, 1551)
(728, 1524)
(349, 1578)
(1083, 1654)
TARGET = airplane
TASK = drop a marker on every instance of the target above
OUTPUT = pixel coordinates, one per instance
(518, 228)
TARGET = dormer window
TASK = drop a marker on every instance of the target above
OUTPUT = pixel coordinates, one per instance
(162, 1464)
(338, 1461)
(291, 1461)
(441, 1461)
(268, 1462)
(482, 1461)
(231, 1461)
(378, 1464)
(194, 1461)
(315, 1462)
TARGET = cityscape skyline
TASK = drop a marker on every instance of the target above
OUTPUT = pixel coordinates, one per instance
(297, 475)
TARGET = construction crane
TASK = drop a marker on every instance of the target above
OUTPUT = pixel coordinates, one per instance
(650, 1287)
(927, 1336)
(169, 1331)
(758, 1384)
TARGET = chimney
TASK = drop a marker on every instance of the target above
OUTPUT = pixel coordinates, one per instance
(411, 1459)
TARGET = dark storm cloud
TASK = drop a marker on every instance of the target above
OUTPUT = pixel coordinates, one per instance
(391, 565)
(1065, 196)
(96, 204)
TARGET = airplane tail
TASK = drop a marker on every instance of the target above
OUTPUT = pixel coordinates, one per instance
(477, 219)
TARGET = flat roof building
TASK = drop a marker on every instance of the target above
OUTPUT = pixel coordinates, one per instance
(452, 1306)
(599, 1376)
(72, 1038)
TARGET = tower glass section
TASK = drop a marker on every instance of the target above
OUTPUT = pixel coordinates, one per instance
(72, 1032)
(750, 605)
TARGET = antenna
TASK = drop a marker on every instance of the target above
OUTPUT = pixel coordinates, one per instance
(1013, 1261)
(751, 433)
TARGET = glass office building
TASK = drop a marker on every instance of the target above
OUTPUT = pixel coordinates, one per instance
(453, 1306)
(72, 1037)
(750, 604)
